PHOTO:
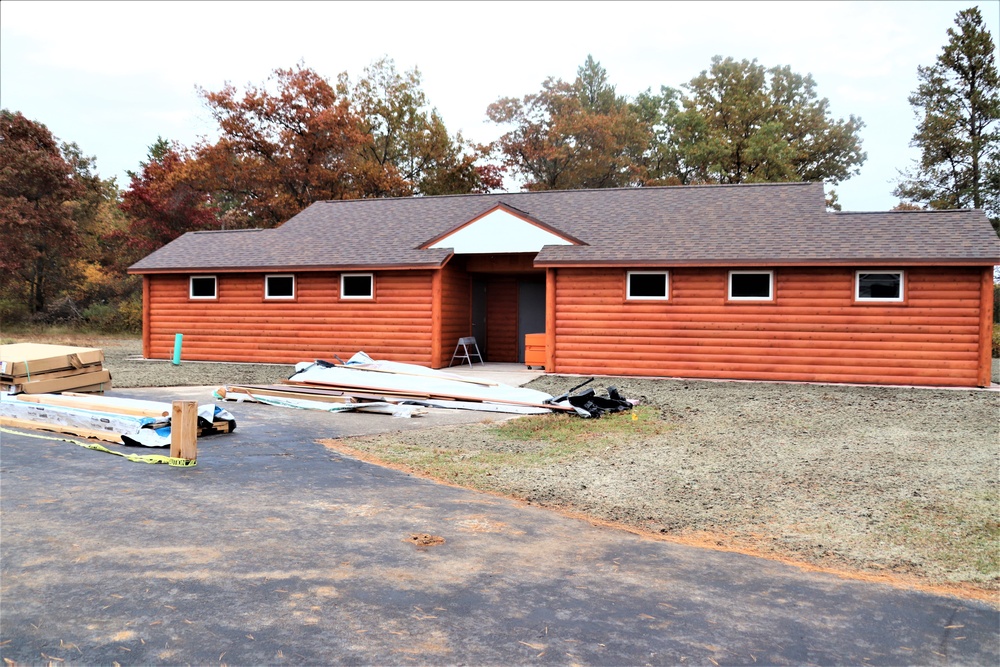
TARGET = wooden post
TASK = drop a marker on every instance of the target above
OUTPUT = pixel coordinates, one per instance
(184, 430)
(550, 320)
(437, 304)
(147, 333)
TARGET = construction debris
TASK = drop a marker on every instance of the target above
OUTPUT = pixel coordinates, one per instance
(288, 397)
(366, 385)
(119, 420)
(33, 368)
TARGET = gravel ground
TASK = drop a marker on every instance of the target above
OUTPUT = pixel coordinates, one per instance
(870, 479)
(129, 369)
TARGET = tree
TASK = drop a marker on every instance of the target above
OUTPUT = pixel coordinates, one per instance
(744, 123)
(280, 151)
(409, 140)
(957, 102)
(39, 189)
(572, 135)
(160, 204)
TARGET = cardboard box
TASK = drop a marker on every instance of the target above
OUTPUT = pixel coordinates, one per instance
(85, 382)
(32, 358)
(7, 378)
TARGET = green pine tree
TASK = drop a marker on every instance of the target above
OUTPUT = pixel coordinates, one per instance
(958, 104)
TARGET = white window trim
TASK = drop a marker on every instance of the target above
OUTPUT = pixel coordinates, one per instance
(770, 297)
(666, 286)
(371, 282)
(871, 299)
(267, 294)
(215, 294)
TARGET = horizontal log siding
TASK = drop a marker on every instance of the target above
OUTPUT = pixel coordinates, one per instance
(501, 319)
(456, 311)
(242, 326)
(813, 331)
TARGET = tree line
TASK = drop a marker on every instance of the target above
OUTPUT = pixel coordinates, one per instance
(69, 236)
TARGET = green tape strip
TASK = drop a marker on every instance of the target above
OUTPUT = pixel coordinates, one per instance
(137, 458)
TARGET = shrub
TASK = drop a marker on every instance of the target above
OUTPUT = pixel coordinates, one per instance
(122, 317)
(12, 313)
(996, 304)
(61, 311)
(996, 341)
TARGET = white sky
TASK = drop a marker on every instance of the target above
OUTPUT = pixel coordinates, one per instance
(114, 76)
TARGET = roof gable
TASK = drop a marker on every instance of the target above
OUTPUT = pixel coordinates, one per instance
(500, 229)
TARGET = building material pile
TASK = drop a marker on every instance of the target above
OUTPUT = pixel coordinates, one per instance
(364, 384)
(119, 420)
(33, 368)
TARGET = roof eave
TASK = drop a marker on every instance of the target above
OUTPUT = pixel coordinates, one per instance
(858, 261)
(293, 268)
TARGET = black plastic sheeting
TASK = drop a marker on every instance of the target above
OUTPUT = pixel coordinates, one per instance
(591, 406)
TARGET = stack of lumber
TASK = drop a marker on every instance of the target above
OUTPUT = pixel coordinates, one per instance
(363, 379)
(33, 368)
(119, 420)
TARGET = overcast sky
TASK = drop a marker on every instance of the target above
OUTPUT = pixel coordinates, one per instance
(112, 77)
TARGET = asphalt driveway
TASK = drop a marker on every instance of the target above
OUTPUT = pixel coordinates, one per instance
(276, 550)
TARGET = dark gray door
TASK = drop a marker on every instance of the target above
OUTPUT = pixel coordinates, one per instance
(530, 311)
(479, 316)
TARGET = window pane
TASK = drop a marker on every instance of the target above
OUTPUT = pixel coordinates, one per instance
(647, 285)
(203, 288)
(751, 285)
(279, 286)
(879, 285)
(357, 286)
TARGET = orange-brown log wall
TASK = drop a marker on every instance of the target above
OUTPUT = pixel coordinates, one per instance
(456, 311)
(501, 319)
(812, 331)
(242, 326)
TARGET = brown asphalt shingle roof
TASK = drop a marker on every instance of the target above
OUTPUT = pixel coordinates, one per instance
(686, 225)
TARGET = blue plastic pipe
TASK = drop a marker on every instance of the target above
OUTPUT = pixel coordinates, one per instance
(177, 348)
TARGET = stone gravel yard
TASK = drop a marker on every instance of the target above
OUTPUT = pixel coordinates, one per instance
(883, 481)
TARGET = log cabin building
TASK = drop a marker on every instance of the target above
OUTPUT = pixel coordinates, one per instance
(751, 282)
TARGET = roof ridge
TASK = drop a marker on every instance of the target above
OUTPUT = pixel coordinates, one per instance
(229, 231)
(922, 210)
(549, 192)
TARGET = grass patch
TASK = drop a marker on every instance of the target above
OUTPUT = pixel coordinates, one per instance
(524, 443)
(61, 335)
(964, 539)
(554, 428)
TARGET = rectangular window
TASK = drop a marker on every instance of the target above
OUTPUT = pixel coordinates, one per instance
(751, 285)
(279, 287)
(202, 287)
(357, 286)
(647, 285)
(878, 286)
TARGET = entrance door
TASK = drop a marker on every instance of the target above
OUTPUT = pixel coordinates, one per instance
(479, 316)
(530, 311)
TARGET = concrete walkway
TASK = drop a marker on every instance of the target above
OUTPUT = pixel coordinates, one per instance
(515, 375)
(277, 550)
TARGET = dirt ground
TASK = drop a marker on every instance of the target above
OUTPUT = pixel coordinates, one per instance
(870, 479)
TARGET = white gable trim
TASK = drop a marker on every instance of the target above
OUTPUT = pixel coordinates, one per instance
(499, 231)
